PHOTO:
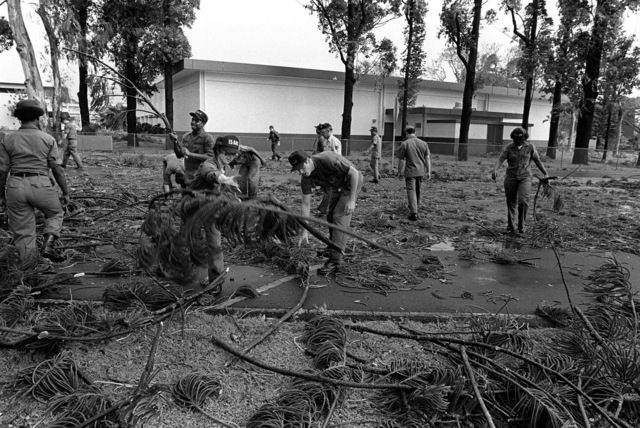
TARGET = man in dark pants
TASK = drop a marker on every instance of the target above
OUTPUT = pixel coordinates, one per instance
(274, 137)
(517, 181)
(25, 159)
(248, 178)
(70, 137)
(333, 172)
(414, 163)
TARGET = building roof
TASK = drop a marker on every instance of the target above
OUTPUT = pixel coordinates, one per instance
(192, 65)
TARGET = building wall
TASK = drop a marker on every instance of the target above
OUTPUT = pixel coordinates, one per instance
(293, 105)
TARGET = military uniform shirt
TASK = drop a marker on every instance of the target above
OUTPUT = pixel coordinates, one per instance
(377, 146)
(197, 143)
(28, 150)
(71, 131)
(331, 172)
(415, 152)
(519, 160)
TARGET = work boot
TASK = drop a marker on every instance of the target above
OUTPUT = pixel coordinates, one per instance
(49, 251)
(413, 217)
(329, 266)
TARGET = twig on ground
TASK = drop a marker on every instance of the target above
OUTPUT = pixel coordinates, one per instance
(476, 390)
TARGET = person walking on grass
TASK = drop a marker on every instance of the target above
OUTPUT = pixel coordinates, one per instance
(414, 163)
(517, 180)
(26, 156)
(333, 172)
(70, 137)
(376, 153)
(274, 138)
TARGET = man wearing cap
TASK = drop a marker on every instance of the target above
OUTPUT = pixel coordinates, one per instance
(70, 136)
(517, 180)
(274, 138)
(326, 130)
(414, 163)
(343, 180)
(196, 146)
(376, 153)
(25, 159)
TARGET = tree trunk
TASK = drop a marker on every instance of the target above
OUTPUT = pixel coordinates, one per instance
(469, 83)
(168, 71)
(407, 63)
(528, 96)
(83, 73)
(345, 133)
(54, 51)
(552, 144)
(132, 101)
(590, 82)
(33, 82)
(619, 131)
(606, 136)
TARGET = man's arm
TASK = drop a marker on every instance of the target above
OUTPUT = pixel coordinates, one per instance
(178, 148)
(354, 175)
(58, 174)
(305, 210)
(428, 163)
(503, 157)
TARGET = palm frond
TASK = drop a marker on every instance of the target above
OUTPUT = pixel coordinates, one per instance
(559, 317)
(322, 329)
(126, 295)
(58, 375)
(16, 305)
(143, 409)
(535, 406)
(193, 390)
(82, 406)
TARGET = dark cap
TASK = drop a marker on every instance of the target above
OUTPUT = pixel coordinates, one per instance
(297, 159)
(410, 130)
(373, 128)
(228, 142)
(200, 115)
(30, 107)
(325, 126)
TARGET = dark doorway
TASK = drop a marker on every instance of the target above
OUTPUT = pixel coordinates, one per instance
(388, 132)
(494, 138)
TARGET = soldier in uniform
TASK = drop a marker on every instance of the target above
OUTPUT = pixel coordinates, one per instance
(343, 180)
(205, 164)
(26, 156)
(376, 153)
(414, 163)
(70, 136)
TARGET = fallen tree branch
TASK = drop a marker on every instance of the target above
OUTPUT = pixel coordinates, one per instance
(476, 390)
(314, 378)
(435, 339)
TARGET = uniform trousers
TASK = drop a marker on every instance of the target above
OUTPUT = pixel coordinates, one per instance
(24, 194)
(337, 215)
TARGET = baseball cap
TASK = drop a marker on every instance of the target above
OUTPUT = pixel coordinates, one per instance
(200, 115)
(29, 106)
(373, 128)
(228, 142)
(297, 159)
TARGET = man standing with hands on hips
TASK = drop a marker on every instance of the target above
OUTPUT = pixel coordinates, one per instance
(344, 181)
(414, 163)
(25, 159)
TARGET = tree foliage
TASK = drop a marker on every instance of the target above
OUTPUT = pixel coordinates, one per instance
(413, 55)
(461, 27)
(532, 27)
(6, 35)
(139, 42)
(347, 26)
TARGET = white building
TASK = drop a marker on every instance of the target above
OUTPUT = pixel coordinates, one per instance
(244, 99)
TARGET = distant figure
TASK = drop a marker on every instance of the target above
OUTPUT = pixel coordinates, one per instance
(376, 153)
(517, 180)
(70, 137)
(333, 144)
(248, 178)
(414, 162)
(274, 137)
(172, 167)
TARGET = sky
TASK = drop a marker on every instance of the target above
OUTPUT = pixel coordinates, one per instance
(271, 32)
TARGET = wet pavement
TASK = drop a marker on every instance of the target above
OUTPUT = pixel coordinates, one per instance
(462, 288)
